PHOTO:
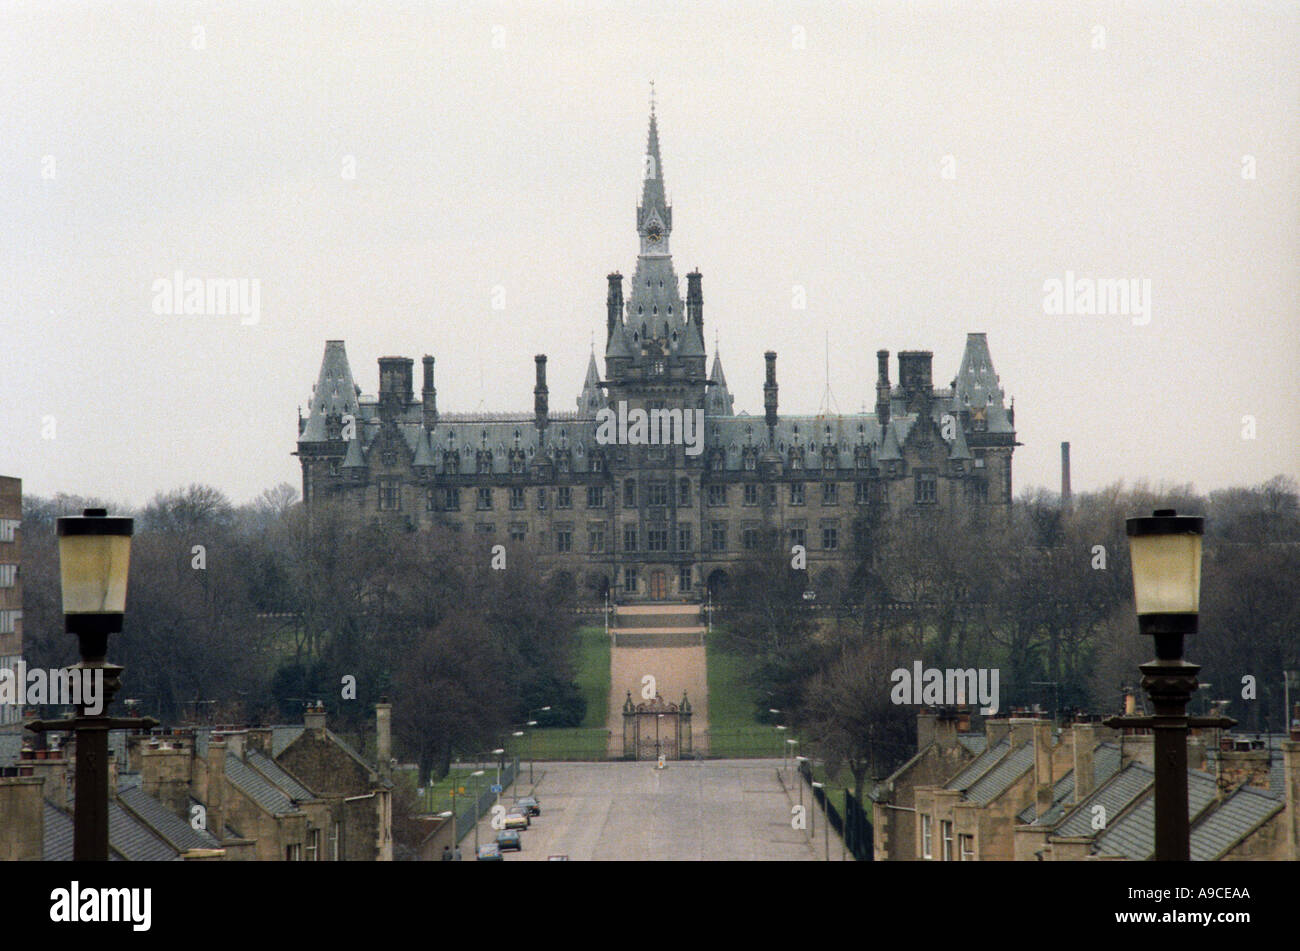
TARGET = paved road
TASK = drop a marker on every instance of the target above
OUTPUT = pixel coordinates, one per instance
(676, 670)
(689, 811)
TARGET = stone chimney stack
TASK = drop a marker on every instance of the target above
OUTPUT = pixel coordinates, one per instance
(216, 791)
(541, 394)
(165, 774)
(914, 374)
(614, 303)
(429, 396)
(769, 391)
(384, 737)
(1043, 783)
(395, 386)
(882, 387)
(314, 718)
(926, 721)
(1291, 791)
(23, 808)
(695, 300)
(1085, 743)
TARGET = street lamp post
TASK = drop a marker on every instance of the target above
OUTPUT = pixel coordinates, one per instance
(812, 829)
(514, 787)
(1165, 550)
(780, 728)
(532, 723)
(94, 562)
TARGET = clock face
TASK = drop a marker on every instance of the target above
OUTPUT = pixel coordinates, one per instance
(654, 234)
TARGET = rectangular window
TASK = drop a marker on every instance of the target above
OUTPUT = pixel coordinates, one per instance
(484, 528)
(541, 500)
(7, 528)
(595, 496)
(451, 499)
(967, 843)
(926, 836)
(684, 492)
(830, 538)
(516, 498)
(799, 536)
(751, 493)
(313, 845)
(596, 539)
(629, 493)
(8, 576)
(293, 853)
(390, 495)
(771, 495)
(9, 620)
(683, 538)
(946, 828)
(629, 538)
(484, 499)
(749, 538)
(861, 493)
(796, 493)
(830, 493)
(657, 493)
(927, 488)
(717, 495)
(518, 531)
(684, 578)
(656, 539)
(718, 536)
(563, 540)
(564, 497)
(629, 580)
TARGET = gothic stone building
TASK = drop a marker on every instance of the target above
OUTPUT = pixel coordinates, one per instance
(652, 522)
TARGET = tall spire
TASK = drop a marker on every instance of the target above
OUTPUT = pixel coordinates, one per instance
(653, 216)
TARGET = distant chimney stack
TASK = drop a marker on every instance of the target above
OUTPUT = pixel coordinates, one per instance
(429, 395)
(769, 390)
(614, 303)
(882, 387)
(541, 393)
(695, 300)
(1065, 473)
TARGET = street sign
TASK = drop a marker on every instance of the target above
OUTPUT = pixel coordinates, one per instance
(496, 787)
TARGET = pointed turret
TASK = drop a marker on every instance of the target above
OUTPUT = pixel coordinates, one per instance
(720, 400)
(977, 390)
(592, 399)
(333, 396)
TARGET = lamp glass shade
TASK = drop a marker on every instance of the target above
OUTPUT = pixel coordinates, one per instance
(94, 572)
(1166, 573)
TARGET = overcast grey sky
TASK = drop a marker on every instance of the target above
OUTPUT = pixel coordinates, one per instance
(501, 146)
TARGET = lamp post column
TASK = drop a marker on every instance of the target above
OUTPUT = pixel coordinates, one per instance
(1170, 681)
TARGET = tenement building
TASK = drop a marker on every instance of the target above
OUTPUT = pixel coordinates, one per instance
(655, 487)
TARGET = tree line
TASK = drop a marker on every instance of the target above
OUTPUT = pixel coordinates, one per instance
(243, 614)
(1043, 592)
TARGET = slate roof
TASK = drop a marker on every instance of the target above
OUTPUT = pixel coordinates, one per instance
(257, 787)
(976, 743)
(172, 828)
(128, 837)
(1134, 835)
(1227, 825)
(997, 780)
(1105, 764)
(1114, 796)
(982, 764)
(277, 775)
(335, 391)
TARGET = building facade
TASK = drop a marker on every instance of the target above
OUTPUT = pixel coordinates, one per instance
(11, 584)
(664, 511)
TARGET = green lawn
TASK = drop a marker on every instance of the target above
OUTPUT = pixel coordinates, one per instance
(733, 731)
(437, 797)
(591, 671)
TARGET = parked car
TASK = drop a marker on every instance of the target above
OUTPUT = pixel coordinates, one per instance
(557, 858)
(490, 852)
(531, 804)
(517, 818)
(509, 840)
